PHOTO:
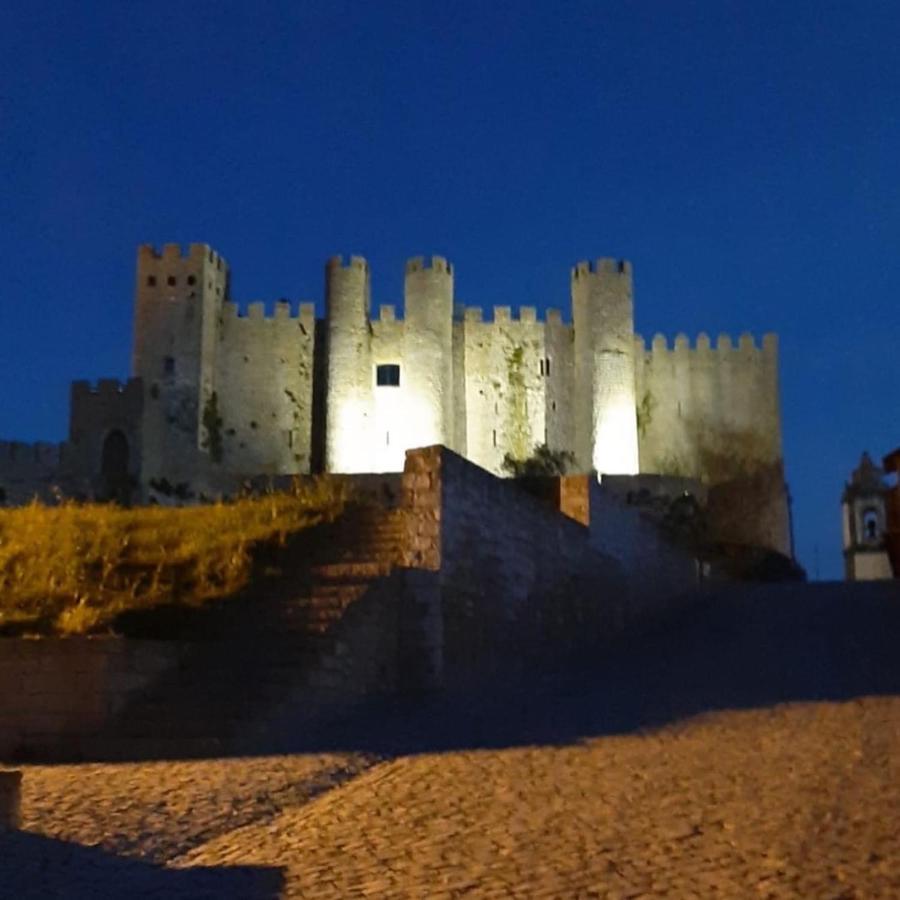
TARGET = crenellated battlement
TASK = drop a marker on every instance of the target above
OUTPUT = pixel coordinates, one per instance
(260, 311)
(527, 315)
(177, 253)
(107, 387)
(746, 344)
(602, 266)
(293, 394)
(355, 262)
(437, 264)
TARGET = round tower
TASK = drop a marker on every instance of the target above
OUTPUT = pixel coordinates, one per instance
(428, 352)
(349, 398)
(606, 436)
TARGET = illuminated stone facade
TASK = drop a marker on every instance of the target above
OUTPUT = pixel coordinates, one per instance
(222, 394)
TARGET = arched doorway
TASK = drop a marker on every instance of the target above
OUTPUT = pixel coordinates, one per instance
(114, 468)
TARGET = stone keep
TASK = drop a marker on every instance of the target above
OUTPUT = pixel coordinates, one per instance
(221, 394)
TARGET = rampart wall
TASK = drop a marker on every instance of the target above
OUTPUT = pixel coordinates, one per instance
(707, 411)
(28, 471)
(506, 382)
(264, 389)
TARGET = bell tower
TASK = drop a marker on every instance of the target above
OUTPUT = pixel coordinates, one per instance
(864, 512)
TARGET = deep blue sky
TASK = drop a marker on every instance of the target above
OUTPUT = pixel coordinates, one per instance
(743, 155)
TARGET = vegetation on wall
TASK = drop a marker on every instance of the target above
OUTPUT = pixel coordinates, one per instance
(644, 413)
(518, 427)
(542, 462)
(72, 569)
(212, 424)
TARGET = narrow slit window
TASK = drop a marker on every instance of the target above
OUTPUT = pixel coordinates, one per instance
(169, 365)
(387, 375)
(494, 433)
(542, 369)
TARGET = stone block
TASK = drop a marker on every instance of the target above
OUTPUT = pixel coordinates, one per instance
(10, 800)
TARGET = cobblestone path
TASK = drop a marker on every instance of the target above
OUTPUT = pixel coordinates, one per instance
(752, 752)
(799, 801)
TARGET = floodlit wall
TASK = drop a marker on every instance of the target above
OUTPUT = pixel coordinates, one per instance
(264, 389)
(506, 384)
(703, 410)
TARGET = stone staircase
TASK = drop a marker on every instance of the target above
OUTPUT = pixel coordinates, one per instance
(282, 640)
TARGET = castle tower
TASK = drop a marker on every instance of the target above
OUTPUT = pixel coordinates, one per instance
(177, 300)
(606, 436)
(428, 352)
(350, 384)
(864, 513)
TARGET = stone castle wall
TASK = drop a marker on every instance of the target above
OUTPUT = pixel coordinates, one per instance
(28, 471)
(263, 386)
(227, 396)
(707, 411)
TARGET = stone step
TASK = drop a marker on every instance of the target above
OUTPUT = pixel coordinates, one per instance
(347, 571)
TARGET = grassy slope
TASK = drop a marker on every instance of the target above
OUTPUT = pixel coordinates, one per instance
(72, 569)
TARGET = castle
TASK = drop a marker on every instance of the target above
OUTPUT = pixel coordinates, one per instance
(218, 396)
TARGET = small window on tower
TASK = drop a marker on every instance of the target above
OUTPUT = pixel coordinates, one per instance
(151, 281)
(387, 375)
(192, 279)
(169, 365)
(171, 281)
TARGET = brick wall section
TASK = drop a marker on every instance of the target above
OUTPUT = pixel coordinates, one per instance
(54, 691)
(10, 800)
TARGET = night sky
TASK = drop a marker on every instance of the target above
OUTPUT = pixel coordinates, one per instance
(744, 156)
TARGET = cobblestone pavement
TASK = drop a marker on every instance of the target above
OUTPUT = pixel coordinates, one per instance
(156, 810)
(754, 751)
(798, 801)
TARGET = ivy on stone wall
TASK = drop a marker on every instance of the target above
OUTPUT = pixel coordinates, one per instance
(518, 403)
(212, 424)
(644, 412)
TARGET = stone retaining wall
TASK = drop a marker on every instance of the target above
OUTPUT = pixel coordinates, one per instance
(523, 574)
(55, 690)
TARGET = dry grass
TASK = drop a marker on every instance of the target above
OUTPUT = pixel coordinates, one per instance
(71, 569)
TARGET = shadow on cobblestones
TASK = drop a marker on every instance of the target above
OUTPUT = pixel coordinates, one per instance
(750, 647)
(34, 866)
